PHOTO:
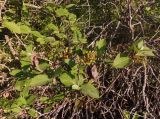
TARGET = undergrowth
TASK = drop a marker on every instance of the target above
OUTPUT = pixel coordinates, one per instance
(78, 59)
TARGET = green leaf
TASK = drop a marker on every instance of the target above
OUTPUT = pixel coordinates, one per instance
(29, 48)
(55, 43)
(148, 8)
(72, 17)
(41, 40)
(19, 85)
(145, 51)
(43, 99)
(62, 12)
(14, 72)
(80, 80)
(25, 91)
(126, 114)
(51, 27)
(140, 44)
(12, 27)
(121, 61)
(48, 109)
(58, 72)
(75, 87)
(90, 90)
(78, 35)
(21, 101)
(50, 39)
(39, 80)
(74, 70)
(83, 40)
(101, 44)
(25, 29)
(15, 109)
(137, 45)
(66, 79)
(44, 66)
(26, 53)
(50, 7)
(37, 34)
(70, 5)
(25, 61)
(30, 99)
(32, 112)
(58, 97)
(135, 116)
(61, 35)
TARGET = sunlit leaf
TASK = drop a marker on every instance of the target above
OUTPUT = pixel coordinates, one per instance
(32, 112)
(21, 101)
(25, 91)
(14, 72)
(37, 34)
(140, 44)
(51, 27)
(19, 85)
(75, 87)
(66, 79)
(135, 116)
(121, 61)
(62, 12)
(80, 80)
(12, 26)
(44, 66)
(39, 80)
(72, 18)
(90, 90)
(70, 5)
(145, 53)
(61, 35)
(43, 99)
(101, 44)
(30, 99)
(126, 114)
(40, 40)
(15, 108)
(137, 45)
(25, 29)
(25, 61)
(58, 97)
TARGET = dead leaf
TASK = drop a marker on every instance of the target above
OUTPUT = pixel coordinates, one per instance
(35, 61)
(94, 72)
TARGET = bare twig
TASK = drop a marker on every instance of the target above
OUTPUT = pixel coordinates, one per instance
(130, 18)
(145, 98)
(13, 51)
(104, 29)
(115, 32)
(157, 31)
(89, 13)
